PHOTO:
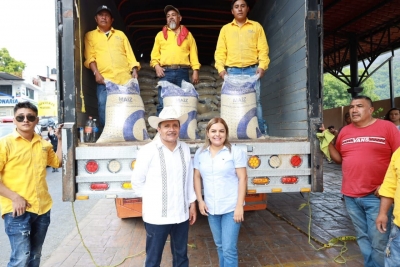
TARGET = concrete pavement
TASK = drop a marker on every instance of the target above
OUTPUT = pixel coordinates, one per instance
(272, 237)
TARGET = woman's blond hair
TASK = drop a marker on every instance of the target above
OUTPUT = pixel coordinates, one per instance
(211, 123)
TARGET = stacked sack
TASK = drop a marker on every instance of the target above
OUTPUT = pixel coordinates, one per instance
(239, 108)
(209, 90)
(184, 100)
(124, 114)
(148, 91)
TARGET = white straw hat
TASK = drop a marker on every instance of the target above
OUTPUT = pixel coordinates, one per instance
(167, 114)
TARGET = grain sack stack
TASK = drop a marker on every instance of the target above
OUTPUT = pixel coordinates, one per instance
(124, 114)
(148, 91)
(184, 100)
(208, 106)
(238, 106)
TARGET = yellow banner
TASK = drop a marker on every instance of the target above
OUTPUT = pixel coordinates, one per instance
(47, 108)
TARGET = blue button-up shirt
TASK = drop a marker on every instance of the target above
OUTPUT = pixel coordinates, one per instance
(220, 182)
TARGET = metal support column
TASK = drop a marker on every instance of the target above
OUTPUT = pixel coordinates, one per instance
(354, 89)
(391, 82)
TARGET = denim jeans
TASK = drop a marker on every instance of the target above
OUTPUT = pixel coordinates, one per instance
(26, 234)
(225, 232)
(101, 104)
(251, 71)
(174, 76)
(392, 252)
(363, 212)
(156, 236)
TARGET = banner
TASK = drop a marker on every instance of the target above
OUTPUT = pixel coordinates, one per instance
(48, 108)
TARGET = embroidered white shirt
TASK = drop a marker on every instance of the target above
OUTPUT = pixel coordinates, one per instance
(164, 179)
(220, 182)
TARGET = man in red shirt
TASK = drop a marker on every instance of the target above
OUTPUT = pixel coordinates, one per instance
(364, 149)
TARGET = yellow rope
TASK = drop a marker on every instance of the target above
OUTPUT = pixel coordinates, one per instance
(80, 55)
(87, 249)
(332, 243)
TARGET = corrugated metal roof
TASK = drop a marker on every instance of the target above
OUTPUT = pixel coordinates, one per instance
(376, 25)
(7, 76)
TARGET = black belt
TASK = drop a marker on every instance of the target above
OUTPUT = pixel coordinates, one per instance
(254, 65)
(174, 67)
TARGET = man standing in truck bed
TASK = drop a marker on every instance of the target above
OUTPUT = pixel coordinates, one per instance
(243, 50)
(174, 53)
(110, 57)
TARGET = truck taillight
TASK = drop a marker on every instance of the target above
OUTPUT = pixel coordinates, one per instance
(296, 161)
(289, 180)
(114, 166)
(254, 162)
(274, 161)
(99, 186)
(261, 180)
(92, 166)
(133, 164)
(126, 185)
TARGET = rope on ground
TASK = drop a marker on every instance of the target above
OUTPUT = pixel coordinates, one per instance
(87, 249)
(331, 243)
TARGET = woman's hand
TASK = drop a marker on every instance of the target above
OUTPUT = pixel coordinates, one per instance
(203, 208)
(238, 215)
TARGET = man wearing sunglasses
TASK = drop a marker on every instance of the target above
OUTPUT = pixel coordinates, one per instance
(25, 202)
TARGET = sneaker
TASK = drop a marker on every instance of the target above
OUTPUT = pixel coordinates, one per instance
(330, 161)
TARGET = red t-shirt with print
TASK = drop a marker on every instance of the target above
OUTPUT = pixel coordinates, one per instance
(366, 154)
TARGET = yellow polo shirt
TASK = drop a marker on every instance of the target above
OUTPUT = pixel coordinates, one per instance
(113, 55)
(242, 46)
(167, 52)
(391, 185)
(23, 170)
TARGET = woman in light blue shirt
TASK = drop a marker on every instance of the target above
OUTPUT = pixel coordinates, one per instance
(222, 169)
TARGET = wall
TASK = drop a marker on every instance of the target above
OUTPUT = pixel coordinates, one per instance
(284, 85)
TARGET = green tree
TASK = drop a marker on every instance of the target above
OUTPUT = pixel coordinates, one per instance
(9, 64)
(336, 95)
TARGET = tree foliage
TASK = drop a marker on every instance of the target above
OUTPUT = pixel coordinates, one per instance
(10, 65)
(381, 78)
(336, 95)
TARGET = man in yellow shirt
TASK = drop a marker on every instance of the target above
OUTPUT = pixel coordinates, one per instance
(24, 198)
(390, 192)
(242, 49)
(110, 57)
(174, 52)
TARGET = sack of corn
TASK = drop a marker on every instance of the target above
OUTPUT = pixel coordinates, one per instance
(124, 114)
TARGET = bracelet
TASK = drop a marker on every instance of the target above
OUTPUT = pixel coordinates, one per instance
(94, 73)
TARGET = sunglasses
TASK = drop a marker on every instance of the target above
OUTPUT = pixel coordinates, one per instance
(20, 118)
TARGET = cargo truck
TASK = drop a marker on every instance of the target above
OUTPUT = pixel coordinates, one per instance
(289, 160)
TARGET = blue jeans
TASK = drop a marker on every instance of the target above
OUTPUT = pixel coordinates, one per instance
(363, 212)
(251, 71)
(392, 253)
(26, 234)
(174, 76)
(101, 104)
(225, 232)
(156, 236)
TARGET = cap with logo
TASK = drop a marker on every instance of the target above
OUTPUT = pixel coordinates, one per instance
(103, 7)
(169, 8)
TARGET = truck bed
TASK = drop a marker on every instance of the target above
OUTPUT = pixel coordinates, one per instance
(270, 139)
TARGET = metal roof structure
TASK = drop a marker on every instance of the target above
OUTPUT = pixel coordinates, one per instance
(358, 30)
